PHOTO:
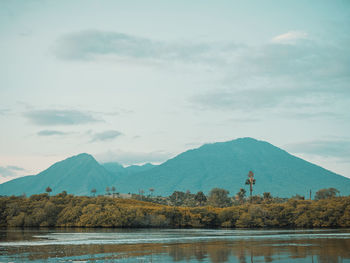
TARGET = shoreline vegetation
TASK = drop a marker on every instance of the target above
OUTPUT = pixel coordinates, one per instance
(180, 210)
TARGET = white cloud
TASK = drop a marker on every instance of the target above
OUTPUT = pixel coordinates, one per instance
(325, 148)
(290, 37)
(4, 111)
(59, 117)
(50, 133)
(129, 158)
(106, 136)
(10, 171)
(91, 44)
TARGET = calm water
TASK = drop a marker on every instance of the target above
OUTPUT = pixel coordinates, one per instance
(173, 245)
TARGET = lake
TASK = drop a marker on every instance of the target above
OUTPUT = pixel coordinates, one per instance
(174, 245)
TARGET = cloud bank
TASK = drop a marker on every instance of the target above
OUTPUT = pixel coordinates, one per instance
(90, 44)
(106, 136)
(306, 74)
(290, 70)
(290, 37)
(10, 171)
(59, 117)
(50, 133)
(324, 148)
(129, 158)
(4, 111)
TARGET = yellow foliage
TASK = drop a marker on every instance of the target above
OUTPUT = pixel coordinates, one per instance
(82, 211)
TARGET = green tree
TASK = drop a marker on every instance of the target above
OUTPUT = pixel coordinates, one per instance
(177, 198)
(229, 216)
(51, 212)
(200, 198)
(141, 192)
(113, 190)
(63, 193)
(219, 197)
(326, 193)
(241, 195)
(267, 196)
(250, 181)
(48, 190)
(189, 199)
(298, 197)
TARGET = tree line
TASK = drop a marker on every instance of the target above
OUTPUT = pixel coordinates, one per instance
(180, 209)
(65, 210)
(217, 197)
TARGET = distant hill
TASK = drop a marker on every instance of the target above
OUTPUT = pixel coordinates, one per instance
(78, 174)
(223, 164)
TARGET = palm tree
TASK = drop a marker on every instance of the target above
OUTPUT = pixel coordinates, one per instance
(113, 190)
(250, 181)
(267, 196)
(151, 190)
(141, 192)
(93, 191)
(107, 190)
(48, 190)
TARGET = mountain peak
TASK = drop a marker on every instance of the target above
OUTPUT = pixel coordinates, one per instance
(246, 140)
(84, 156)
(77, 174)
(244, 143)
(238, 140)
(80, 158)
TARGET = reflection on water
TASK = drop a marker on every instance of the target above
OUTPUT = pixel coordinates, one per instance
(166, 245)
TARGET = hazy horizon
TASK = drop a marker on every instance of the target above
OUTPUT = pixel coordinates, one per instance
(136, 82)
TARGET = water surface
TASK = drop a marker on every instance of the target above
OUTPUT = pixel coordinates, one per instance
(174, 245)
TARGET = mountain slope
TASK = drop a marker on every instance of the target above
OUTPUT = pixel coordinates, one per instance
(114, 168)
(224, 165)
(118, 169)
(78, 174)
(227, 164)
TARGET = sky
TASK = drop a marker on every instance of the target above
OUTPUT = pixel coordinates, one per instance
(142, 81)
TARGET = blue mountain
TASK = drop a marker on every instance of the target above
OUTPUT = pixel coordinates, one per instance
(226, 165)
(119, 169)
(78, 175)
(222, 164)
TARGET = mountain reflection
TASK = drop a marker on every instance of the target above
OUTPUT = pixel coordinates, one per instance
(249, 250)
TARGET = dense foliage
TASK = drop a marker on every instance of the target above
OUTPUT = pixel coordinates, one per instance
(65, 210)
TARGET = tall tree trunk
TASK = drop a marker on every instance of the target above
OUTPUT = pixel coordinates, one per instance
(251, 192)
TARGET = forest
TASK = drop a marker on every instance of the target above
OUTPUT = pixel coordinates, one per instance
(180, 210)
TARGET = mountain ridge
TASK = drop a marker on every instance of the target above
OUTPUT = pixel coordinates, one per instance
(220, 164)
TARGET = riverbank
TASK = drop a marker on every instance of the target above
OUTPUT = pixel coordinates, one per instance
(65, 210)
(173, 245)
